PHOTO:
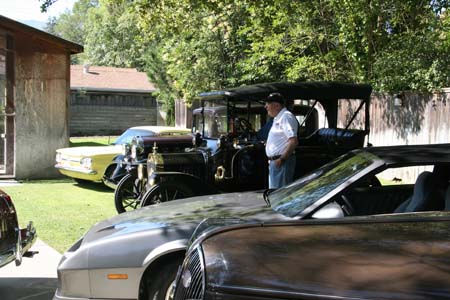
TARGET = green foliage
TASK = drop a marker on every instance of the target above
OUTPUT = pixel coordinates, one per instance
(71, 25)
(190, 46)
(113, 37)
(46, 4)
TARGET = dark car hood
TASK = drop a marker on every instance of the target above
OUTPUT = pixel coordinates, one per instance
(185, 214)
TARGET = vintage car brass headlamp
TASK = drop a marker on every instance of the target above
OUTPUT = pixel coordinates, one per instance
(137, 147)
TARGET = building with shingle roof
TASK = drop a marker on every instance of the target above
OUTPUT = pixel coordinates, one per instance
(107, 100)
(34, 97)
(95, 78)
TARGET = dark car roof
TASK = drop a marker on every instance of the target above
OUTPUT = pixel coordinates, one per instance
(298, 90)
(422, 154)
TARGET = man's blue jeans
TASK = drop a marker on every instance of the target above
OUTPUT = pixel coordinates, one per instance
(283, 175)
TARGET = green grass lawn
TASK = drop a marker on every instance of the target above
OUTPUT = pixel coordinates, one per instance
(91, 141)
(62, 210)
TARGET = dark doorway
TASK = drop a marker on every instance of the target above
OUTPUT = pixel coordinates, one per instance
(7, 111)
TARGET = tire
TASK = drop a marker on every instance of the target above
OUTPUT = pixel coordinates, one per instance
(110, 170)
(126, 195)
(160, 285)
(166, 191)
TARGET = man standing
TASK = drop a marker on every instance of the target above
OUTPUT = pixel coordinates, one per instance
(281, 142)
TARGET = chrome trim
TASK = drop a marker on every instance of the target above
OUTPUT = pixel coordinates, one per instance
(79, 170)
(18, 248)
(57, 296)
(22, 246)
(109, 183)
(172, 246)
(255, 292)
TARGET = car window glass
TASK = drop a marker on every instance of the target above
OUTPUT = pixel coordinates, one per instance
(291, 200)
(403, 175)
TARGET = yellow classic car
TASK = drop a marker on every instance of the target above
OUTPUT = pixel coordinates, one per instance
(92, 162)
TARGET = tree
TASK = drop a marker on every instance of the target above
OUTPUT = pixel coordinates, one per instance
(71, 25)
(46, 4)
(191, 46)
(113, 38)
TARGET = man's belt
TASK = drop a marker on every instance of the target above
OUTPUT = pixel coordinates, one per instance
(274, 157)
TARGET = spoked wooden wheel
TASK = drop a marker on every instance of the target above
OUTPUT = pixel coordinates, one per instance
(127, 194)
(165, 191)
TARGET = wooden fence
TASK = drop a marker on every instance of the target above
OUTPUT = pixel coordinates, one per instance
(422, 119)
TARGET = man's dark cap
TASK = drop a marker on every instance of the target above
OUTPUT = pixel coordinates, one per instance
(275, 97)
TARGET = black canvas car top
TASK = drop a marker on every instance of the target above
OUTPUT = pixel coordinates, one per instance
(298, 90)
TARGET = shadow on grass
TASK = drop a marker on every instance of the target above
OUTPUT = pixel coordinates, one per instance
(89, 185)
(95, 186)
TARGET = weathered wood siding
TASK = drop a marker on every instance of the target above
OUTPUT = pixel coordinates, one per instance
(110, 113)
(422, 119)
(41, 107)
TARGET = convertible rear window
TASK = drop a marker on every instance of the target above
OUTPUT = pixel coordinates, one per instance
(292, 199)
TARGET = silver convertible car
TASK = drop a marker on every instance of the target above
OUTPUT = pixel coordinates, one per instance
(136, 255)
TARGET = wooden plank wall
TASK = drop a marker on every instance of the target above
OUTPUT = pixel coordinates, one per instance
(422, 119)
(103, 113)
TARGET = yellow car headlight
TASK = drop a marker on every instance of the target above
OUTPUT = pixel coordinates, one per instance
(86, 162)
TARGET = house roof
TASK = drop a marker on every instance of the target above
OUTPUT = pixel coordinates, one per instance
(15, 26)
(95, 78)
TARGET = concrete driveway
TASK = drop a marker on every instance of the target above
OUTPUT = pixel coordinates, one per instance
(34, 279)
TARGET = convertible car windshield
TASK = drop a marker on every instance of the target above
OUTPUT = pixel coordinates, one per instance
(128, 135)
(292, 199)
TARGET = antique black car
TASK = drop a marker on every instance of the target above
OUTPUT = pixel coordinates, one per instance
(345, 215)
(14, 241)
(229, 138)
(124, 179)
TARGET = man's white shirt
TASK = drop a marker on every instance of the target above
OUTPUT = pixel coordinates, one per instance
(284, 126)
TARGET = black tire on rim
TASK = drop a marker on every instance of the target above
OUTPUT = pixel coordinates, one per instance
(110, 170)
(160, 285)
(126, 195)
(165, 191)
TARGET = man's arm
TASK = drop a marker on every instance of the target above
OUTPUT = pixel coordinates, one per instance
(292, 143)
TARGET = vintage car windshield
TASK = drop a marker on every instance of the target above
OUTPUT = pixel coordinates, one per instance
(215, 122)
(292, 199)
(126, 137)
